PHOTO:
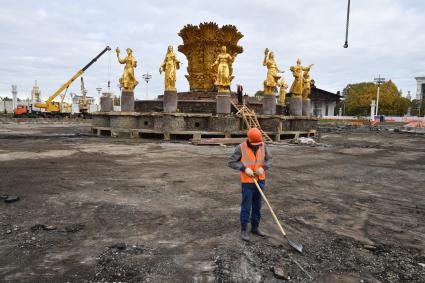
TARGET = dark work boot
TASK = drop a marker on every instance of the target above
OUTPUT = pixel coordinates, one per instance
(256, 230)
(244, 232)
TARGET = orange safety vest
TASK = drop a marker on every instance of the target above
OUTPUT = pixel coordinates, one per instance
(252, 161)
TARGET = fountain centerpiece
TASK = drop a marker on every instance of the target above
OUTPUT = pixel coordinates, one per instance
(201, 46)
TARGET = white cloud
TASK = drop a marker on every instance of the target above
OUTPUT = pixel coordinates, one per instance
(49, 41)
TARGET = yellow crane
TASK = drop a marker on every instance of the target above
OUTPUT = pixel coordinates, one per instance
(54, 107)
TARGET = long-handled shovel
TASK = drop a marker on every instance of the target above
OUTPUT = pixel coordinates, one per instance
(292, 243)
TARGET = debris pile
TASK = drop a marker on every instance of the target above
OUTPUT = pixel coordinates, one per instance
(304, 141)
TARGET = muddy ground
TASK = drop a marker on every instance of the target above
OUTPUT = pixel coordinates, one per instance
(138, 211)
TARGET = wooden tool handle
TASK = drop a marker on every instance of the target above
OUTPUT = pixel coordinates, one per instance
(268, 204)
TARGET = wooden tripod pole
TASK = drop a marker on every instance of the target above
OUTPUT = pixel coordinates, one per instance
(270, 207)
(292, 243)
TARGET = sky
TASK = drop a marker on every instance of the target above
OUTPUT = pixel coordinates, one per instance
(49, 41)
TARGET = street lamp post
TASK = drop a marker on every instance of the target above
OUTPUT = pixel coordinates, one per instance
(14, 97)
(99, 89)
(378, 81)
(372, 110)
(147, 78)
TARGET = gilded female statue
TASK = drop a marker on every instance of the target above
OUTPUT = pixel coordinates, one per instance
(306, 84)
(224, 60)
(128, 80)
(273, 71)
(169, 66)
(283, 86)
(297, 72)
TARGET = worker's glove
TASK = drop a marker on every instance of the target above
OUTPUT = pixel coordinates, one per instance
(249, 172)
(259, 171)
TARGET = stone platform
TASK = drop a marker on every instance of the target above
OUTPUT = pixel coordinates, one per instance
(185, 126)
(200, 102)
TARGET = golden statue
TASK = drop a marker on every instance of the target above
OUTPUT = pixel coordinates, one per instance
(222, 80)
(297, 72)
(169, 66)
(273, 71)
(283, 86)
(201, 46)
(306, 83)
(128, 80)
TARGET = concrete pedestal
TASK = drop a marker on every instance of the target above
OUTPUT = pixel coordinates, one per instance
(281, 110)
(269, 104)
(296, 106)
(223, 103)
(127, 101)
(170, 101)
(307, 107)
(106, 104)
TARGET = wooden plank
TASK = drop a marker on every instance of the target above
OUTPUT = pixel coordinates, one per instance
(218, 141)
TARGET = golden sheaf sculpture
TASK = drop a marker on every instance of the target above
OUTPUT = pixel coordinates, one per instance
(201, 46)
(169, 67)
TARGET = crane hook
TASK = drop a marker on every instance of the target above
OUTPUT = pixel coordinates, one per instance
(347, 25)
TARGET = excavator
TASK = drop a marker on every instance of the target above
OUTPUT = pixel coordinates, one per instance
(54, 108)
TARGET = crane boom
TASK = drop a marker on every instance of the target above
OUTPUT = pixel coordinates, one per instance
(70, 81)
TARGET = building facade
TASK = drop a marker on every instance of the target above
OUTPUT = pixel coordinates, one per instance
(324, 103)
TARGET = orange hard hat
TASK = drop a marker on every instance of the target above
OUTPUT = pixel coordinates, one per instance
(255, 136)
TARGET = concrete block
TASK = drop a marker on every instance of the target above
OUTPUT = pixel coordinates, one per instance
(127, 101)
(145, 122)
(134, 134)
(306, 107)
(167, 136)
(124, 122)
(269, 104)
(223, 103)
(296, 106)
(106, 104)
(169, 122)
(170, 101)
(196, 123)
(101, 121)
(197, 136)
(148, 106)
(303, 124)
(270, 124)
(286, 125)
(224, 123)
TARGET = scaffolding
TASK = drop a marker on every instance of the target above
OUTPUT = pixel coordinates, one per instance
(250, 119)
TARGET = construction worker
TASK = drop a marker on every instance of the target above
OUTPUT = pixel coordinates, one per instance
(240, 94)
(252, 159)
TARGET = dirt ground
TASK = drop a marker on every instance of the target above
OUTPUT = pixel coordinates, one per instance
(96, 209)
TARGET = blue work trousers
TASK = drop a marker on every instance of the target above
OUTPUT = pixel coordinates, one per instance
(251, 199)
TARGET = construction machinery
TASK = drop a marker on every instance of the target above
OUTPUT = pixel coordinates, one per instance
(22, 111)
(82, 103)
(55, 108)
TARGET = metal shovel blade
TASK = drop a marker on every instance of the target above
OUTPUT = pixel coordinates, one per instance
(295, 245)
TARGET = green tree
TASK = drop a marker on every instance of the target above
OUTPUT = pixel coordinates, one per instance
(117, 101)
(259, 93)
(418, 105)
(358, 98)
